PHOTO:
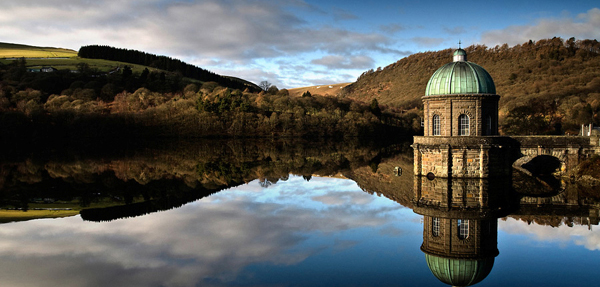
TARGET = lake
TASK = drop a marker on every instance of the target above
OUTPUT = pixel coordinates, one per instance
(280, 213)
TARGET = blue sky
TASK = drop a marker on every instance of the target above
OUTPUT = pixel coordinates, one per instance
(292, 43)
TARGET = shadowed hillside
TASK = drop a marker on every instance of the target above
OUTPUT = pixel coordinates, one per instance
(550, 86)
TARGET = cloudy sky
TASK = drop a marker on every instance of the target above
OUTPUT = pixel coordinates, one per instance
(292, 43)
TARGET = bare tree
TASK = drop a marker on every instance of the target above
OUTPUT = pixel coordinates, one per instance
(264, 85)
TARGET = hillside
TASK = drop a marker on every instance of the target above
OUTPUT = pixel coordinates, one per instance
(8, 50)
(110, 59)
(164, 63)
(549, 86)
(60, 58)
(324, 90)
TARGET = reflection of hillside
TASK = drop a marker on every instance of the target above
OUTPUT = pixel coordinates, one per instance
(381, 179)
(159, 178)
(530, 200)
(571, 206)
(144, 207)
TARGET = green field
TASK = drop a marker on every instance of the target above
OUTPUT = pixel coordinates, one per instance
(59, 58)
(53, 210)
(8, 50)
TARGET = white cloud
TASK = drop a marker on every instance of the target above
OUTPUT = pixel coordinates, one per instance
(348, 198)
(230, 33)
(345, 62)
(583, 26)
(578, 234)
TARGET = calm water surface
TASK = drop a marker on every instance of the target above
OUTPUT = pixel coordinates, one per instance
(299, 229)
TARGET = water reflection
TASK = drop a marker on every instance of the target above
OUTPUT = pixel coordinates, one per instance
(460, 226)
(460, 220)
(262, 214)
(160, 178)
(212, 241)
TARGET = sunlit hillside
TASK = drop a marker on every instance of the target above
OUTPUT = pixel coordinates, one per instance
(8, 50)
(548, 86)
(324, 90)
(58, 58)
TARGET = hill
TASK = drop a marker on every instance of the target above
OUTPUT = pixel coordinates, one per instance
(60, 58)
(106, 61)
(324, 90)
(548, 86)
(8, 50)
(164, 63)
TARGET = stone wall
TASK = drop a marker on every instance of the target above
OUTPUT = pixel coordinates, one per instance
(450, 107)
(462, 157)
(493, 156)
(482, 241)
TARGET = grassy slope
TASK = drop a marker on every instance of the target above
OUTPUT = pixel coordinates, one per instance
(521, 73)
(8, 50)
(65, 59)
(53, 210)
(324, 90)
(58, 58)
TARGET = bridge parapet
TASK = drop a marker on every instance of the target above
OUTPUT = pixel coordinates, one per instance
(489, 156)
(569, 150)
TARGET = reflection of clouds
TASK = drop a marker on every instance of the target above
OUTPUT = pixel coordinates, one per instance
(341, 245)
(214, 238)
(577, 234)
(344, 198)
(391, 231)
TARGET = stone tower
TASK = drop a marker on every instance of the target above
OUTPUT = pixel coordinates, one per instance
(461, 124)
(461, 100)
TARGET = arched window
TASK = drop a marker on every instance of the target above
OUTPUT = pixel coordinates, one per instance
(463, 228)
(463, 125)
(435, 226)
(436, 125)
(488, 126)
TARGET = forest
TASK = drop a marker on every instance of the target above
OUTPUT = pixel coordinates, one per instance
(63, 104)
(549, 86)
(162, 63)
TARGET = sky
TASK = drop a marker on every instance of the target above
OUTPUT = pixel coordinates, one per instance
(292, 43)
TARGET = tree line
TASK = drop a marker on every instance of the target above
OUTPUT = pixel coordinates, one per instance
(163, 63)
(38, 106)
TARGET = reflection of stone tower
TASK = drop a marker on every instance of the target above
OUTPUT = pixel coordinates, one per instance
(460, 251)
(460, 115)
(460, 226)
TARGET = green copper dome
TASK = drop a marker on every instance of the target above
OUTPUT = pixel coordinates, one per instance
(460, 51)
(460, 77)
(459, 272)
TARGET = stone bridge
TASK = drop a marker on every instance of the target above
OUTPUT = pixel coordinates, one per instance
(553, 154)
(496, 156)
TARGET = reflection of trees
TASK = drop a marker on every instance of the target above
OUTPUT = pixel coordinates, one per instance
(264, 183)
(145, 180)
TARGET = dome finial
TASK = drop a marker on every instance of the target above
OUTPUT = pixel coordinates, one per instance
(460, 55)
